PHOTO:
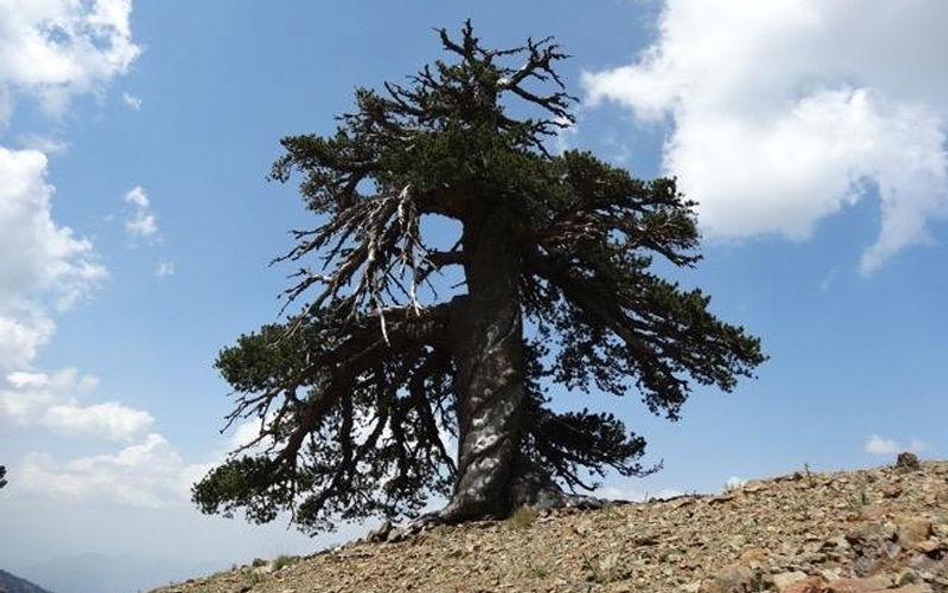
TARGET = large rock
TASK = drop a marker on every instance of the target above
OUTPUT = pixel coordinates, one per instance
(912, 531)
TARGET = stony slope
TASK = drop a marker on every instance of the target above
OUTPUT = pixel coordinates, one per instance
(10, 583)
(850, 532)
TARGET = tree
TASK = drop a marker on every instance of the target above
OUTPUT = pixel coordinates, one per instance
(3, 474)
(360, 391)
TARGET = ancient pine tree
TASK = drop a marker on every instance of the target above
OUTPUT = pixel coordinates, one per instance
(377, 375)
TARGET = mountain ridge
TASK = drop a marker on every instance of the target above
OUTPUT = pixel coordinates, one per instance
(10, 583)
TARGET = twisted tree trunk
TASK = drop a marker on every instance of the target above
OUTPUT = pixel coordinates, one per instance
(494, 477)
(488, 345)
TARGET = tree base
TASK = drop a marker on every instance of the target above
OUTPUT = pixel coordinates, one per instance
(532, 491)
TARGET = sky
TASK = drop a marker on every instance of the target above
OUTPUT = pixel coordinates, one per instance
(136, 224)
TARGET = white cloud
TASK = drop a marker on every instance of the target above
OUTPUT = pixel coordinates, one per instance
(734, 482)
(132, 101)
(53, 50)
(32, 399)
(48, 145)
(164, 269)
(110, 420)
(149, 474)
(137, 197)
(141, 223)
(785, 112)
(146, 472)
(244, 433)
(877, 445)
(44, 264)
(27, 395)
(23, 330)
(563, 140)
(634, 495)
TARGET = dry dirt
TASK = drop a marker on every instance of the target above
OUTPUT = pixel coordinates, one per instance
(884, 529)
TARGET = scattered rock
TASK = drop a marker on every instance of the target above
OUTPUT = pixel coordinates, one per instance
(857, 585)
(912, 531)
(785, 579)
(735, 578)
(721, 499)
(873, 531)
(929, 546)
(753, 556)
(807, 585)
(912, 589)
(893, 491)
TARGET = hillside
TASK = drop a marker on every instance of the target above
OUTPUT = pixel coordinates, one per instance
(13, 584)
(846, 532)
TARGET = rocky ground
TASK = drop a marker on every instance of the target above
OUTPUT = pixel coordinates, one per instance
(884, 529)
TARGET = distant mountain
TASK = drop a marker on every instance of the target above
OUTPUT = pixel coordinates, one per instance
(14, 584)
(107, 573)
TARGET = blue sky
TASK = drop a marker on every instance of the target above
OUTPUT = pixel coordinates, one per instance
(812, 133)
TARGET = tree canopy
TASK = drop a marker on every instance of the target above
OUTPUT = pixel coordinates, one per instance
(362, 394)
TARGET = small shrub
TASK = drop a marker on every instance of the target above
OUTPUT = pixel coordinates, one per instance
(253, 577)
(283, 561)
(522, 518)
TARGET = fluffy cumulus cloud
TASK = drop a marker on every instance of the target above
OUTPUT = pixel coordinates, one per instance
(53, 50)
(45, 266)
(147, 474)
(53, 402)
(141, 223)
(785, 112)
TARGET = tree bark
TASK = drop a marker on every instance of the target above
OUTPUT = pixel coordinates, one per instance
(488, 344)
(487, 339)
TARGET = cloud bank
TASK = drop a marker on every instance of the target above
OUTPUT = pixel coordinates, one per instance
(53, 401)
(45, 266)
(786, 112)
(53, 50)
(149, 474)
